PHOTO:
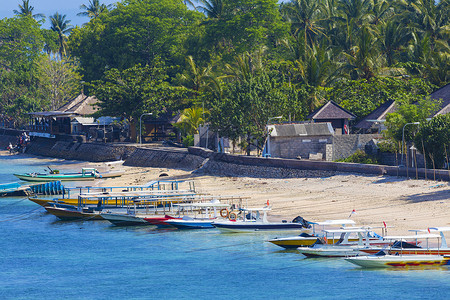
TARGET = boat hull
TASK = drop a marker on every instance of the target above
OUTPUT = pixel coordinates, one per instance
(71, 214)
(338, 251)
(125, 220)
(256, 226)
(43, 178)
(158, 220)
(299, 241)
(413, 251)
(393, 261)
(190, 224)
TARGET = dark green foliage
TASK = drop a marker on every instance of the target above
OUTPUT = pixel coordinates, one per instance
(247, 105)
(434, 136)
(388, 146)
(361, 97)
(360, 157)
(188, 141)
(135, 32)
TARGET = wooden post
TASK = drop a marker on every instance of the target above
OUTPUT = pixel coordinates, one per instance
(424, 159)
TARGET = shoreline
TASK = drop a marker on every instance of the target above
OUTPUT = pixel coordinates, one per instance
(401, 203)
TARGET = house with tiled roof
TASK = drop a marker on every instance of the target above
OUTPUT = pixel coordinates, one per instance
(442, 94)
(335, 114)
(374, 122)
(69, 119)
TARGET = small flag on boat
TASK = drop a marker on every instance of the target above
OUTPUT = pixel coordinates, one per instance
(429, 230)
(267, 203)
(352, 213)
(384, 224)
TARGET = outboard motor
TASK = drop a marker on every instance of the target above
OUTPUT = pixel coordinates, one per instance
(302, 221)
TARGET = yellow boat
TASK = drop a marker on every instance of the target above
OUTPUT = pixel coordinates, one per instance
(306, 240)
(119, 199)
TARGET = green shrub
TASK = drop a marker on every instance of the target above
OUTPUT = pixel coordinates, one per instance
(388, 146)
(188, 141)
(360, 157)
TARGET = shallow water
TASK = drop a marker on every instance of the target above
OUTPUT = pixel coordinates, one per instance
(43, 258)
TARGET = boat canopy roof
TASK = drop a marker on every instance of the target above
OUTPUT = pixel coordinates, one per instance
(203, 204)
(411, 237)
(266, 208)
(335, 222)
(441, 229)
(346, 230)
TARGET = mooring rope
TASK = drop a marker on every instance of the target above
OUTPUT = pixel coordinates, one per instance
(18, 217)
(14, 203)
(218, 247)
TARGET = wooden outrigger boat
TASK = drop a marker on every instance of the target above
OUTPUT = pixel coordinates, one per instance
(199, 215)
(402, 257)
(70, 212)
(115, 198)
(86, 174)
(343, 247)
(383, 260)
(408, 248)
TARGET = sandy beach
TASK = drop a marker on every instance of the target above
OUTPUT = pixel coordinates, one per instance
(400, 203)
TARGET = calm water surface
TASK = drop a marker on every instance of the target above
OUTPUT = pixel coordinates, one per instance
(43, 258)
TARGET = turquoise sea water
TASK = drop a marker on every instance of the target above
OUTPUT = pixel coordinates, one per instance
(43, 258)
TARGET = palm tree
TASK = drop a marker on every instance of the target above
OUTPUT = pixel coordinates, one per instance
(425, 17)
(356, 11)
(60, 25)
(366, 59)
(191, 119)
(27, 10)
(394, 38)
(380, 11)
(304, 16)
(246, 65)
(93, 9)
(197, 79)
(212, 8)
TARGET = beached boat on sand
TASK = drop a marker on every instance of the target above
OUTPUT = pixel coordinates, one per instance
(86, 174)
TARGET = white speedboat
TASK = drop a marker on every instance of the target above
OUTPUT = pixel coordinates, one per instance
(252, 221)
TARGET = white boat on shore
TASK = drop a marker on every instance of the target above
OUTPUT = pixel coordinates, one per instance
(252, 221)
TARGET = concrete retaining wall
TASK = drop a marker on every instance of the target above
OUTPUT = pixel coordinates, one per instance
(79, 151)
(164, 158)
(206, 161)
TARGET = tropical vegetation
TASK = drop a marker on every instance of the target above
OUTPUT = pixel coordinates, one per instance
(243, 61)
